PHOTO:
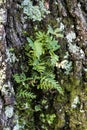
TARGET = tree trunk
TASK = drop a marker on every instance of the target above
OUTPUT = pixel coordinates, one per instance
(6, 87)
(71, 17)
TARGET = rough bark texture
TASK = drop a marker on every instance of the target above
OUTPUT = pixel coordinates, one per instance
(6, 87)
(71, 109)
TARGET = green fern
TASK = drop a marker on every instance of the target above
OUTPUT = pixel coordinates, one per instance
(48, 82)
(56, 32)
(42, 57)
(20, 78)
(24, 94)
(40, 67)
(40, 52)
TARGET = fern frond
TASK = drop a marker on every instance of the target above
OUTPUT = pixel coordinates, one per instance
(40, 36)
(56, 32)
(20, 78)
(54, 58)
(25, 94)
(38, 49)
(48, 82)
(31, 43)
(39, 67)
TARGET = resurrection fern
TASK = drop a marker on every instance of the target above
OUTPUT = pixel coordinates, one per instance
(42, 58)
(49, 82)
(24, 90)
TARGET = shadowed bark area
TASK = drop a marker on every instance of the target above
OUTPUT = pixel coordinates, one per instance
(71, 17)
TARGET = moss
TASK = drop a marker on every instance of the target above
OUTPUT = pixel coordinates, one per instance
(68, 22)
(85, 86)
(77, 120)
(60, 121)
(73, 105)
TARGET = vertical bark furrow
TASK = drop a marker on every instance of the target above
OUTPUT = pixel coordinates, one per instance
(6, 88)
(80, 21)
(14, 25)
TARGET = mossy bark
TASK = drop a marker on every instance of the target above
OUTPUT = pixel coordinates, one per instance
(71, 109)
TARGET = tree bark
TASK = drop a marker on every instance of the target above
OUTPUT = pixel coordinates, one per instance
(71, 17)
(6, 87)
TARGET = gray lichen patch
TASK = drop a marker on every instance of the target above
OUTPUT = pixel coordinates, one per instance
(7, 89)
(2, 16)
(2, 74)
(34, 12)
(10, 56)
(76, 51)
(9, 111)
(7, 128)
(70, 37)
(62, 26)
(4, 89)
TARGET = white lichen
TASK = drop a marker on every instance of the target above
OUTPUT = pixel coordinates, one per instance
(82, 53)
(34, 12)
(9, 111)
(59, 19)
(61, 26)
(76, 50)
(73, 48)
(10, 56)
(79, 5)
(66, 65)
(6, 128)
(82, 111)
(70, 37)
(3, 15)
(16, 121)
(2, 74)
(16, 127)
(4, 89)
(75, 102)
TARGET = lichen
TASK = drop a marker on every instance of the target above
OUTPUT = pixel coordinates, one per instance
(9, 111)
(34, 12)
(4, 89)
(62, 26)
(75, 102)
(70, 37)
(76, 51)
(2, 15)
(7, 128)
(2, 74)
(16, 127)
(11, 57)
